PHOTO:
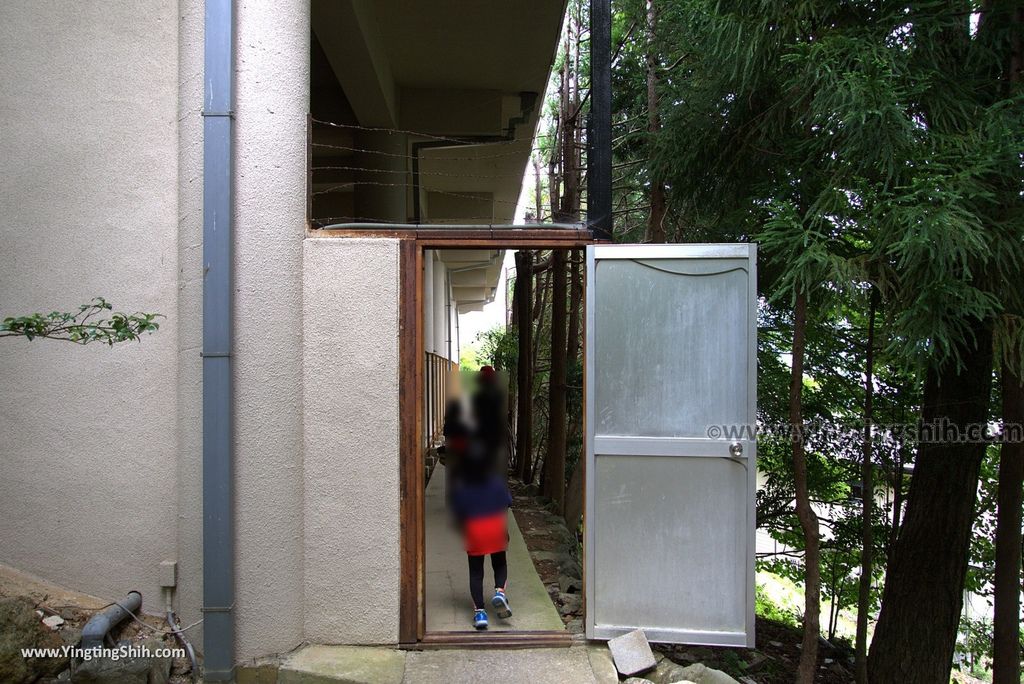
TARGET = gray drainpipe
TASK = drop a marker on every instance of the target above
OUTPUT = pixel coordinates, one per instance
(218, 509)
(94, 633)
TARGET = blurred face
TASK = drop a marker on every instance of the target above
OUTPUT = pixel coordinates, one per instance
(453, 388)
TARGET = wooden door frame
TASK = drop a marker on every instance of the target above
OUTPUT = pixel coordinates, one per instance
(412, 608)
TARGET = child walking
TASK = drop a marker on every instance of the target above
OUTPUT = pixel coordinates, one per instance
(480, 500)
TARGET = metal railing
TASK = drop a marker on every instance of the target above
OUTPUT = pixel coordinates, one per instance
(437, 371)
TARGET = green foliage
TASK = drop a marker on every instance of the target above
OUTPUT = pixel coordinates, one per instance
(868, 147)
(82, 326)
(767, 609)
(498, 347)
(981, 570)
(855, 141)
(974, 646)
(833, 398)
(469, 359)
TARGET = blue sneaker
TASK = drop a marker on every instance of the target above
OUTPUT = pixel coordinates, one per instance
(500, 602)
(480, 619)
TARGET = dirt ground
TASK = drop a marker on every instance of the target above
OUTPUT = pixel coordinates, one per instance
(553, 550)
(75, 608)
(774, 661)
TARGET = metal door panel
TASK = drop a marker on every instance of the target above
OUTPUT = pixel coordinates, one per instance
(612, 445)
(670, 371)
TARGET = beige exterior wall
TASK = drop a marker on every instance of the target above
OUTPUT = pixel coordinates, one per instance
(351, 457)
(272, 98)
(89, 171)
(189, 594)
(101, 456)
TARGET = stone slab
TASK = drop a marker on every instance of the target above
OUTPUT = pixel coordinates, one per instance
(632, 653)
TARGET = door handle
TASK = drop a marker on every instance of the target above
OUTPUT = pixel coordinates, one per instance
(736, 450)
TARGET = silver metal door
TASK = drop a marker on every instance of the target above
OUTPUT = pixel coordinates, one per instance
(670, 449)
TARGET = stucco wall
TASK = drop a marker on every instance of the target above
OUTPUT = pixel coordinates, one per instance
(272, 98)
(351, 460)
(189, 594)
(101, 165)
(88, 207)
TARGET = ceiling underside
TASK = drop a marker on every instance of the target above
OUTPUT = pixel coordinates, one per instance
(473, 274)
(472, 44)
(470, 73)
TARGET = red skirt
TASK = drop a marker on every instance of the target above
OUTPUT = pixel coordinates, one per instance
(486, 535)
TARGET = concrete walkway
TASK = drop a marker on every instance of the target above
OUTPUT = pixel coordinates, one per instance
(449, 607)
(580, 664)
(577, 665)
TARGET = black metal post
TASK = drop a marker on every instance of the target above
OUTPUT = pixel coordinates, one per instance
(599, 136)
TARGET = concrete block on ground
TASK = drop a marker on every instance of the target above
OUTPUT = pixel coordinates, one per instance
(343, 665)
(631, 653)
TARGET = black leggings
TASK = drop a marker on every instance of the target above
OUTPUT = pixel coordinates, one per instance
(476, 575)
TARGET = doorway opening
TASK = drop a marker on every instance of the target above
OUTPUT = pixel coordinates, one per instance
(472, 304)
(670, 469)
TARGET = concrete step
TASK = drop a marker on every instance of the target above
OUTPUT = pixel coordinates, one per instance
(319, 664)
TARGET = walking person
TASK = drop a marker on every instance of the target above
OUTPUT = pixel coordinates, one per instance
(480, 501)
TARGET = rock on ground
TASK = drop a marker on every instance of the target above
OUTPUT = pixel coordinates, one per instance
(130, 670)
(702, 674)
(569, 585)
(20, 628)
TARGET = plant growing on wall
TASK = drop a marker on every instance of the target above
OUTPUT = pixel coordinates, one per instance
(90, 323)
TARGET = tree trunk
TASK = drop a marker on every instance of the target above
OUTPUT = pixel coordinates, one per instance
(1010, 497)
(897, 504)
(1006, 627)
(554, 462)
(567, 207)
(574, 339)
(524, 369)
(575, 305)
(555, 169)
(539, 302)
(868, 500)
(808, 520)
(540, 306)
(538, 191)
(574, 489)
(574, 496)
(834, 588)
(656, 219)
(554, 482)
(923, 597)
(513, 381)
